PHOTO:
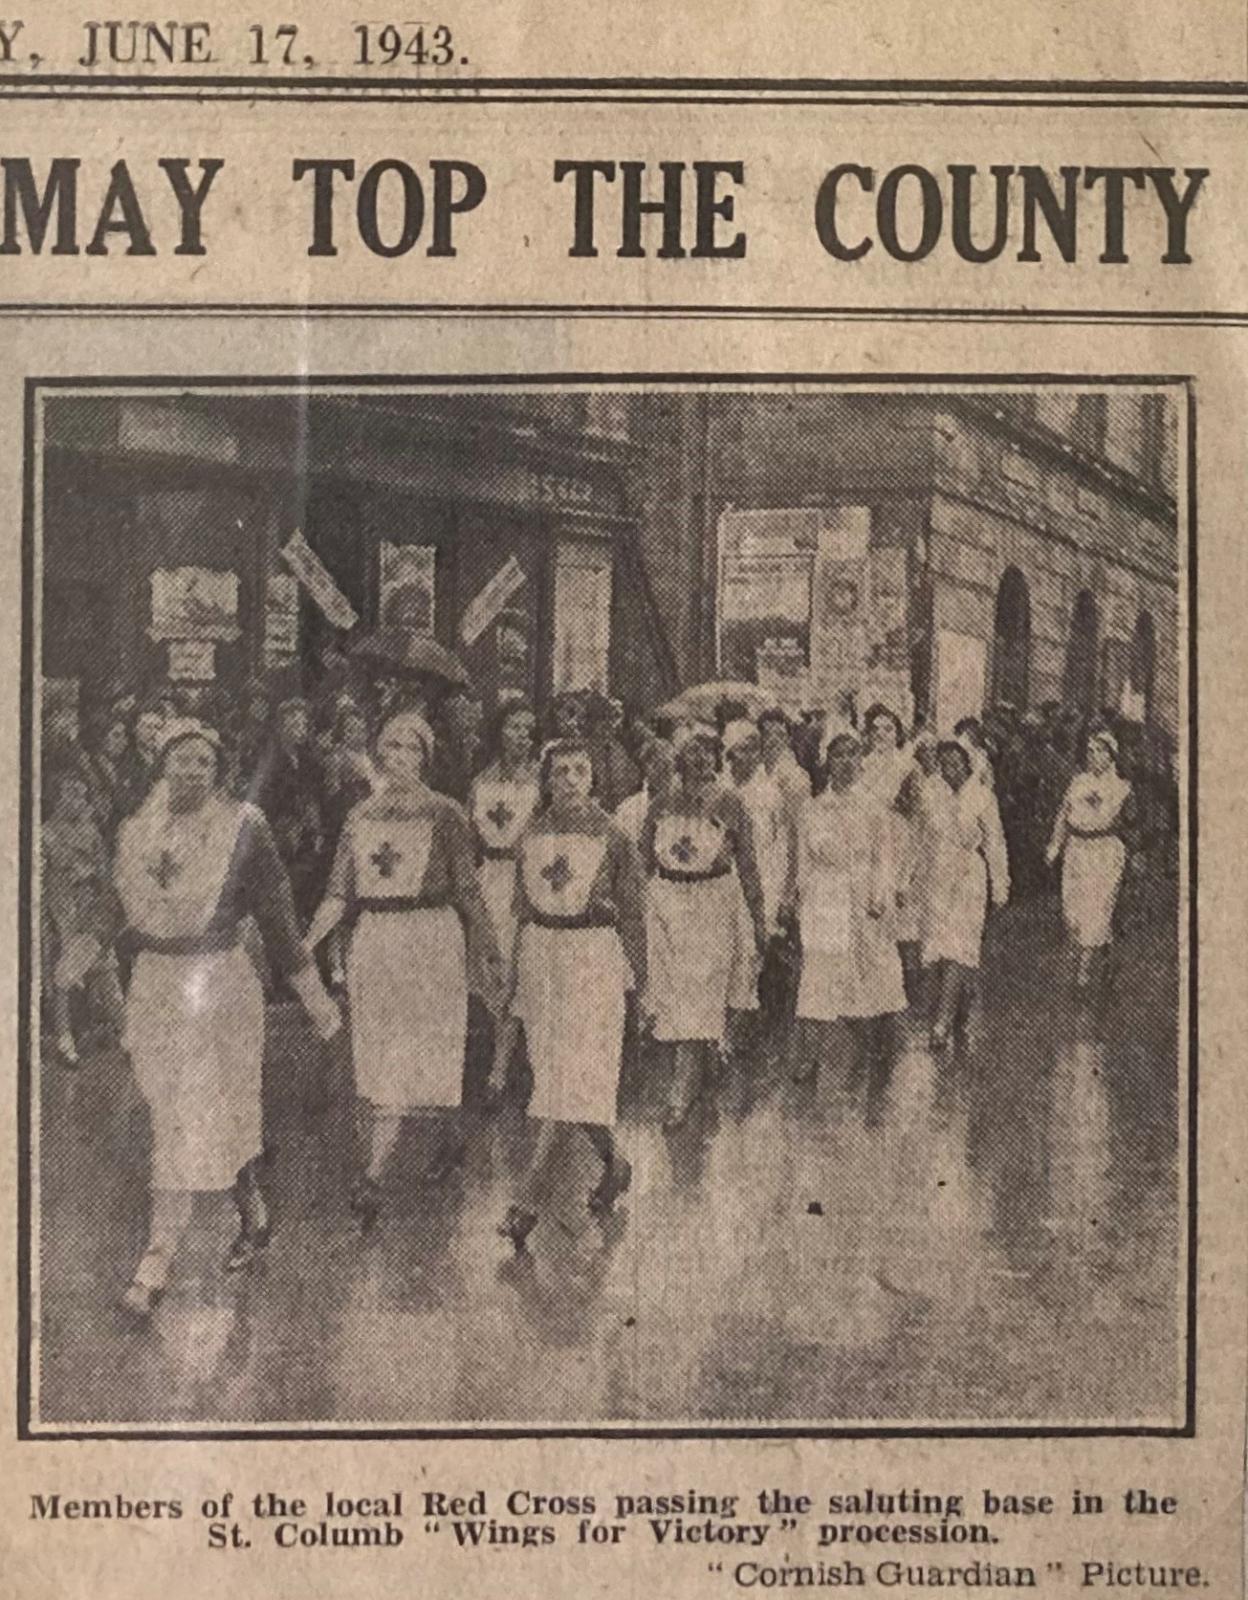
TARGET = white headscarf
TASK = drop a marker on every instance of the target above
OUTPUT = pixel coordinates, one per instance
(415, 721)
(737, 733)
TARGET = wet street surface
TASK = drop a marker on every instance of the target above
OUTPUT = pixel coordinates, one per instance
(995, 1235)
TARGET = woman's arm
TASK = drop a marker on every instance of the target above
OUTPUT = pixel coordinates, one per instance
(628, 891)
(457, 835)
(339, 889)
(996, 853)
(747, 866)
(1057, 841)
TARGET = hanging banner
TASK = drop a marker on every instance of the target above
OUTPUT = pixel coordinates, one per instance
(489, 604)
(312, 573)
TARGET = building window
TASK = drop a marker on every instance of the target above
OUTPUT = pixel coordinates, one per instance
(1011, 655)
(1090, 422)
(1143, 669)
(1081, 656)
(1153, 440)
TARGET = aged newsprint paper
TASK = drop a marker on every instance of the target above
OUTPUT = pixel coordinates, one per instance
(622, 701)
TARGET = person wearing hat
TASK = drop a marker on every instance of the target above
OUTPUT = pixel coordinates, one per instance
(697, 845)
(843, 887)
(404, 879)
(1088, 838)
(969, 870)
(193, 865)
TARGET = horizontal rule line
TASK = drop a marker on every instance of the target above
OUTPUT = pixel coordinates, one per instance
(1040, 86)
(1078, 315)
(1047, 94)
(296, 94)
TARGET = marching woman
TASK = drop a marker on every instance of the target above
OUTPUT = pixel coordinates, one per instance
(844, 889)
(192, 866)
(886, 766)
(404, 877)
(1088, 836)
(969, 866)
(580, 909)
(771, 820)
(921, 783)
(501, 801)
(693, 838)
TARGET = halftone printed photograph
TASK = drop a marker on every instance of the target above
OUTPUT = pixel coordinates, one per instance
(610, 906)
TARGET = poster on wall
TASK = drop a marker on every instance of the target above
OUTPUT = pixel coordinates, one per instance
(582, 618)
(192, 660)
(407, 586)
(839, 605)
(281, 619)
(194, 603)
(765, 564)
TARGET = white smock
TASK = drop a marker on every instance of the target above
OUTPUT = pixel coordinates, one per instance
(1093, 855)
(968, 865)
(406, 971)
(846, 872)
(194, 1021)
(571, 979)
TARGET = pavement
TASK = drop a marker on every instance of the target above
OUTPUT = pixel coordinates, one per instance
(995, 1235)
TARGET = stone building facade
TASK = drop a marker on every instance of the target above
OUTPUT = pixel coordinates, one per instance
(1038, 532)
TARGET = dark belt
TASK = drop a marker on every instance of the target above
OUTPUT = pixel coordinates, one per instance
(403, 903)
(202, 944)
(498, 853)
(586, 919)
(670, 875)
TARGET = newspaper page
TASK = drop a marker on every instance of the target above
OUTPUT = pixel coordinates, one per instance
(623, 805)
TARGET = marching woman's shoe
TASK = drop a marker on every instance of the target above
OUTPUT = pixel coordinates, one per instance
(145, 1289)
(366, 1202)
(255, 1226)
(517, 1225)
(616, 1180)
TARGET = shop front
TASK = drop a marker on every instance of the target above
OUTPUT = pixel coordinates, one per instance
(206, 541)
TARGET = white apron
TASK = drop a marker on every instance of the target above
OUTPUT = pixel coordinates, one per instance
(194, 1023)
(570, 983)
(501, 809)
(1093, 857)
(406, 975)
(693, 932)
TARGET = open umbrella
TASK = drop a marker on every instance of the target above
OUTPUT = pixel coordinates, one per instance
(397, 652)
(702, 700)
